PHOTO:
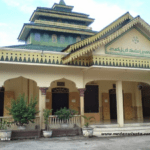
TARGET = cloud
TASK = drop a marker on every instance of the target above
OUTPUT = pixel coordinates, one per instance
(28, 6)
(103, 12)
(3, 24)
(8, 34)
(7, 39)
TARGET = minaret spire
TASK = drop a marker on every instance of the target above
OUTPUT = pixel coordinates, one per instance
(62, 2)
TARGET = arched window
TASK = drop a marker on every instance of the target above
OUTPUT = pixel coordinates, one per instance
(37, 37)
(62, 39)
(54, 38)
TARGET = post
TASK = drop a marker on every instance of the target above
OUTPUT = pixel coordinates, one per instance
(81, 91)
(119, 95)
(42, 102)
(138, 104)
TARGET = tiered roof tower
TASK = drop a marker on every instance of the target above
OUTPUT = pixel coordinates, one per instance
(53, 29)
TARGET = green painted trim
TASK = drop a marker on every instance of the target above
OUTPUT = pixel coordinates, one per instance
(120, 37)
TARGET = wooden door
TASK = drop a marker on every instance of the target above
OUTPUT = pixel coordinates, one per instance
(127, 102)
(106, 106)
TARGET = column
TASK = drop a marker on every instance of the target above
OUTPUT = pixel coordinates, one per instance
(42, 102)
(138, 104)
(81, 91)
(119, 96)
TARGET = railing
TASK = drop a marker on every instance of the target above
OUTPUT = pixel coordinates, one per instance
(31, 57)
(55, 122)
(29, 126)
(129, 62)
(121, 62)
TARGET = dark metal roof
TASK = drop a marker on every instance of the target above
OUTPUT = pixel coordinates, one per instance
(36, 47)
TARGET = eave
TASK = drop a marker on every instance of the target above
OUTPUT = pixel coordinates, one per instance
(81, 48)
(36, 14)
(49, 10)
(100, 34)
(27, 27)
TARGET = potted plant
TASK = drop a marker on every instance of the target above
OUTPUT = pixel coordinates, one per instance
(22, 112)
(47, 133)
(87, 131)
(65, 114)
(5, 134)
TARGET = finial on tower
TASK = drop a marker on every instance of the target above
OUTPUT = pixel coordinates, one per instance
(62, 2)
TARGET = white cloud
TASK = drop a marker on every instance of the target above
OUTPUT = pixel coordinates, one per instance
(28, 6)
(7, 39)
(3, 24)
(9, 34)
(103, 12)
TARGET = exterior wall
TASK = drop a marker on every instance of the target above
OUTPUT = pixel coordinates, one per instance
(74, 98)
(131, 109)
(14, 87)
(132, 43)
(42, 75)
(8, 96)
(45, 76)
(115, 74)
(45, 38)
(100, 50)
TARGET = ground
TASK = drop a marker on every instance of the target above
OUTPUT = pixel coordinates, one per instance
(80, 143)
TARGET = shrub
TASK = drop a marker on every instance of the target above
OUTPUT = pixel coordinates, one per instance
(46, 114)
(88, 120)
(4, 124)
(64, 114)
(22, 112)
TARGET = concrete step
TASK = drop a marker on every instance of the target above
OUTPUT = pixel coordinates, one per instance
(136, 124)
(116, 125)
(105, 126)
(120, 131)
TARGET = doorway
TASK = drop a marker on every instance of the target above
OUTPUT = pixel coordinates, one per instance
(60, 99)
(146, 102)
(1, 102)
(91, 100)
(113, 105)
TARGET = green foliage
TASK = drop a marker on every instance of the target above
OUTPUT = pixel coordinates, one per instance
(4, 124)
(88, 120)
(46, 114)
(64, 113)
(22, 112)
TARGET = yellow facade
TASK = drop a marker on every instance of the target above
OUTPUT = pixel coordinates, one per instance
(118, 62)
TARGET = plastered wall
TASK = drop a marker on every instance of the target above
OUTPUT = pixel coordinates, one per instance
(74, 98)
(20, 86)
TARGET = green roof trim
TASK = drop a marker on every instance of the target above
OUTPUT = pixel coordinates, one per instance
(36, 47)
(62, 2)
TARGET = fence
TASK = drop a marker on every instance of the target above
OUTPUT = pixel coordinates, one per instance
(55, 122)
(29, 126)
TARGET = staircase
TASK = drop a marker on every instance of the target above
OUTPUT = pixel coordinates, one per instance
(115, 130)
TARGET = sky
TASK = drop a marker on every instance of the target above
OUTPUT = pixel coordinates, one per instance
(14, 13)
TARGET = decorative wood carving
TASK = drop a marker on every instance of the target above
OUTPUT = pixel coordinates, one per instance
(43, 90)
(81, 91)
(60, 90)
